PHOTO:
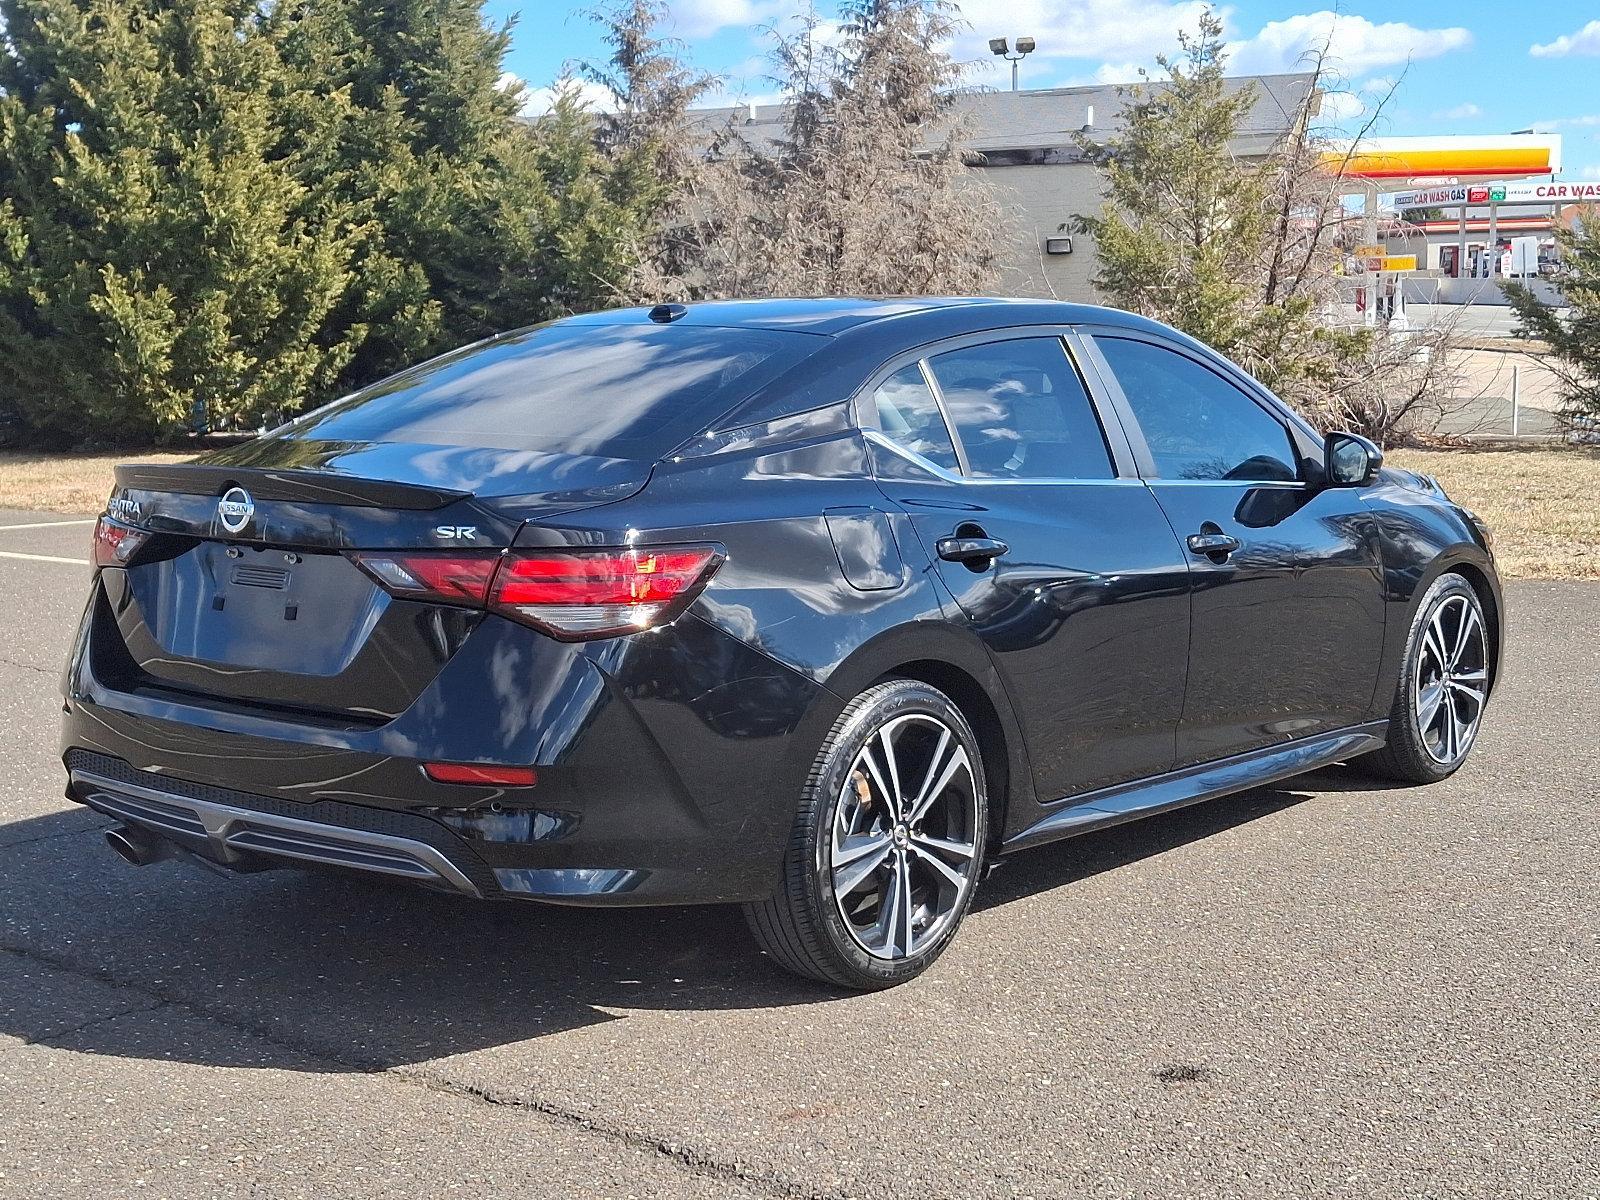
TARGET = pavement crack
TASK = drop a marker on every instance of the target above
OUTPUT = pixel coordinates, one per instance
(689, 1158)
(55, 1035)
(50, 837)
(11, 662)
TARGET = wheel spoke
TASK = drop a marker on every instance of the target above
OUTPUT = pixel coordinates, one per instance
(1428, 701)
(932, 788)
(1465, 635)
(890, 800)
(858, 872)
(896, 796)
(895, 900)
(1473, 693)
(1435, 640)
(1452, 731)
(933, 766)
(852, 848)
(954, 877)
(906, 938)
(929, 842)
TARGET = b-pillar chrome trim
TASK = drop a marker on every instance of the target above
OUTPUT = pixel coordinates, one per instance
(227, 834)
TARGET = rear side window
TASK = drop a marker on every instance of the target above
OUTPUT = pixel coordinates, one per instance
(1196, 423)
(1021, 411)
(908, 414)
(615, 391)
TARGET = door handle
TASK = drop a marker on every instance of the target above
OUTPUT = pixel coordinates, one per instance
(1208, 544)
(970, 549)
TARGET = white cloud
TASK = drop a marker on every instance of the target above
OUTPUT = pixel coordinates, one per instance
(1119, 73)
(1461, 112)
(702, 18)
(1113, 31)
(1585, 41)
(538, 101)
(1355, 44)
(1590, 173)
(1338, 107)
(1557, 123)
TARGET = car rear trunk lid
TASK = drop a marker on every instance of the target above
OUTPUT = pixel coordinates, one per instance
(245, 593)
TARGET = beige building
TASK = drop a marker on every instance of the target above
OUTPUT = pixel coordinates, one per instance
(1026, 145)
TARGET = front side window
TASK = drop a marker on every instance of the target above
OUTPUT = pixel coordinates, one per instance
(1196, 423)
(1021, 411)
(909, 415)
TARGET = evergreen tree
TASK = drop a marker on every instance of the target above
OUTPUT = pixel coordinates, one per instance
(1243, 255)
(467, 233)
(1182, 226)
(159, 258)
(217, 212)
(1573, 338)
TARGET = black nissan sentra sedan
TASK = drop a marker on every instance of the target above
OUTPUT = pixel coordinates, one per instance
(816, 606)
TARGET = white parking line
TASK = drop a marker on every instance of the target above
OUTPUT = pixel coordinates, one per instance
(77, 562)
(45, 524)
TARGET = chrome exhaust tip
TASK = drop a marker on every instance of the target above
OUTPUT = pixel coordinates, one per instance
(137, 847)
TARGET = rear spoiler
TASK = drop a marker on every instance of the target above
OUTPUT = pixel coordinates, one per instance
(301, 486)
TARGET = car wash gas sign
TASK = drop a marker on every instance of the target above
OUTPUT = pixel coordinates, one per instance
(1500, 193)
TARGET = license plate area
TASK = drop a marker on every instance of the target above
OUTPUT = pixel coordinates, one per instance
(257, 608)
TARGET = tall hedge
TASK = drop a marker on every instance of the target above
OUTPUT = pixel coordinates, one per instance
(213, 212)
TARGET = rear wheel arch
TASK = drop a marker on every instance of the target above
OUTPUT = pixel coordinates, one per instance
(956, 662)
(979, 708)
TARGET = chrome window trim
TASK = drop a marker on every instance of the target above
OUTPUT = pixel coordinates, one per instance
(950, 430)
(878, 438)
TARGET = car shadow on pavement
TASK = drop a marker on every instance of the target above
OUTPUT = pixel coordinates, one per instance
(327, 972)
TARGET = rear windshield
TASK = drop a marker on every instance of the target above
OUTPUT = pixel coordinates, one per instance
(608, 390)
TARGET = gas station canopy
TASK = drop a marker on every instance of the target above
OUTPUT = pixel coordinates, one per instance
(1396, 163)
(1450, 164)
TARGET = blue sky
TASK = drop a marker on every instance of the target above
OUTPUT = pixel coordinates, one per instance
(1464, 66)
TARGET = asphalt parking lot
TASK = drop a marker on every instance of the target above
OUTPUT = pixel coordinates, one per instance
(1321, 989)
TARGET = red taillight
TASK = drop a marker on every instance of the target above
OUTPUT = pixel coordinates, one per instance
(481, 775)
(573, 595)
(115, 544)
(450, 578)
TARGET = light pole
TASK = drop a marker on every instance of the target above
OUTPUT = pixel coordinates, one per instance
(998, 47)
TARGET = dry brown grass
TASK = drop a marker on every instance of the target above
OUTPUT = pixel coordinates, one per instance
(1542, 502)
(64, 483)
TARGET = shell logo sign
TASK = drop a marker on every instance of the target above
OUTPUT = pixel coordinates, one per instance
(1447, 160)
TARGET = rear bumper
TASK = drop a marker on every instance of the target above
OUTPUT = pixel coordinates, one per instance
(236, 831)
(667, 771)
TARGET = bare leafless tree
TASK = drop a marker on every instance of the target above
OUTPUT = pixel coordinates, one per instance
(867, 190)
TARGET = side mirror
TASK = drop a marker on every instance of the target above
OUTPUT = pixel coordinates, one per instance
(1349, 460)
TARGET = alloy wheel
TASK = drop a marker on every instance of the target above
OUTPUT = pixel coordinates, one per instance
(903, 850)
(1452, 680)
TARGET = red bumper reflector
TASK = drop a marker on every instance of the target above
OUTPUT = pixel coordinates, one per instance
(483, 775)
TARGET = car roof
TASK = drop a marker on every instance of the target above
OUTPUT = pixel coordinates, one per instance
(833, 315)
(865, 331)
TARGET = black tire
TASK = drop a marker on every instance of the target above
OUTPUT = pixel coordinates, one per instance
(803, 926)
(1411, 756)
